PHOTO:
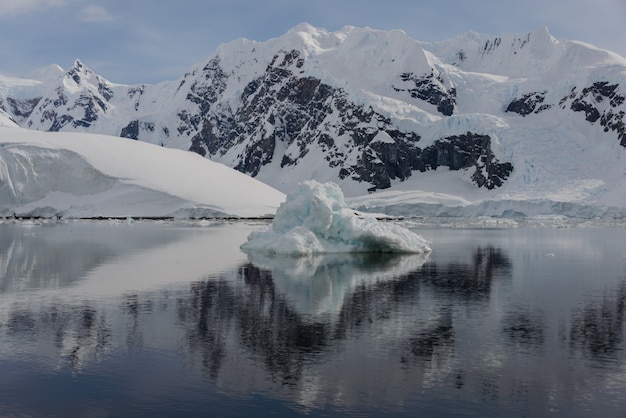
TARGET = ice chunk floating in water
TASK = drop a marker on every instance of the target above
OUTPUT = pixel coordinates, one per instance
(314, 219)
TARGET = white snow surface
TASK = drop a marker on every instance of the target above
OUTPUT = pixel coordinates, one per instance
(315, 220)
(6, 120)
(89, 175)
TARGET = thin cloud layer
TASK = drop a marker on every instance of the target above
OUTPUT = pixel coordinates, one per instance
(20, 7)
(94, 13)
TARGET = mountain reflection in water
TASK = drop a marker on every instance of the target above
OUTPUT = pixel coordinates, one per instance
(466, 328)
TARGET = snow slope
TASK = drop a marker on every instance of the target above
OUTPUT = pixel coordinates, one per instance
(6, 120)
(88, 175)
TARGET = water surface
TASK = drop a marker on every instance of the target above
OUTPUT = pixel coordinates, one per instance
(168, 319)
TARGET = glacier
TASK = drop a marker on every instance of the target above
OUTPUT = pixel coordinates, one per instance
(74, 175)
(314, 219)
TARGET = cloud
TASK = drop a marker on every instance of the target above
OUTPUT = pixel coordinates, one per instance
(20, 7)
(94, 13)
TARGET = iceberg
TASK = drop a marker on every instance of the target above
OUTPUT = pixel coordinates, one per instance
(314, 219)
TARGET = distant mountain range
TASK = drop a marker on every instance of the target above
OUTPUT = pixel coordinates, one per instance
(470, 125)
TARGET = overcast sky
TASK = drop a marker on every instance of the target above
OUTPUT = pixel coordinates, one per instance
(147, 41)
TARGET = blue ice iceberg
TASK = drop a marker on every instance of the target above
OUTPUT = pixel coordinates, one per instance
(314, 219)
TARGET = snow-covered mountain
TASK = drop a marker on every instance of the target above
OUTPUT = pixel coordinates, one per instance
(509, 125)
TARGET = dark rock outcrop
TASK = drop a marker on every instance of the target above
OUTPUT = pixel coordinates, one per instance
(133, 129)
(468, 151)
(528, 103)
(600, 102)
(430, 89)
(19, 109)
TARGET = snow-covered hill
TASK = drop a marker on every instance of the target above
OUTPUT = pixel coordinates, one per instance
(474, 125)
(86, 175)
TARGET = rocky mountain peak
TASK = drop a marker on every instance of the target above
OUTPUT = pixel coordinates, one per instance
(74, 102)
(78, 72)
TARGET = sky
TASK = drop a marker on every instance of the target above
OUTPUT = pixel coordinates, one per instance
(148, 41)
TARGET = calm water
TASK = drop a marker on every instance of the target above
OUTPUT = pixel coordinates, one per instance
(148, 319)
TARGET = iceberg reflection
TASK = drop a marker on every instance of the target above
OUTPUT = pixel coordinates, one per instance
(319, 284)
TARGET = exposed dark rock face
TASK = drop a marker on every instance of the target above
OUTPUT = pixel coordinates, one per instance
(58, 121)
(57, 114)
(430, 88)
(133, 129)
(398, 159)
(491, 45)
(19, 109)
(529, 103)
(105, 90)
(136, 93)
(600, 102)
(284, 115)
(467, 151)
(50, 113)
(91, 105)
(204, 92)
(277, 107)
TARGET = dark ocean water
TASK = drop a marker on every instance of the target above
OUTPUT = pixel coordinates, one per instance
(165, 319)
